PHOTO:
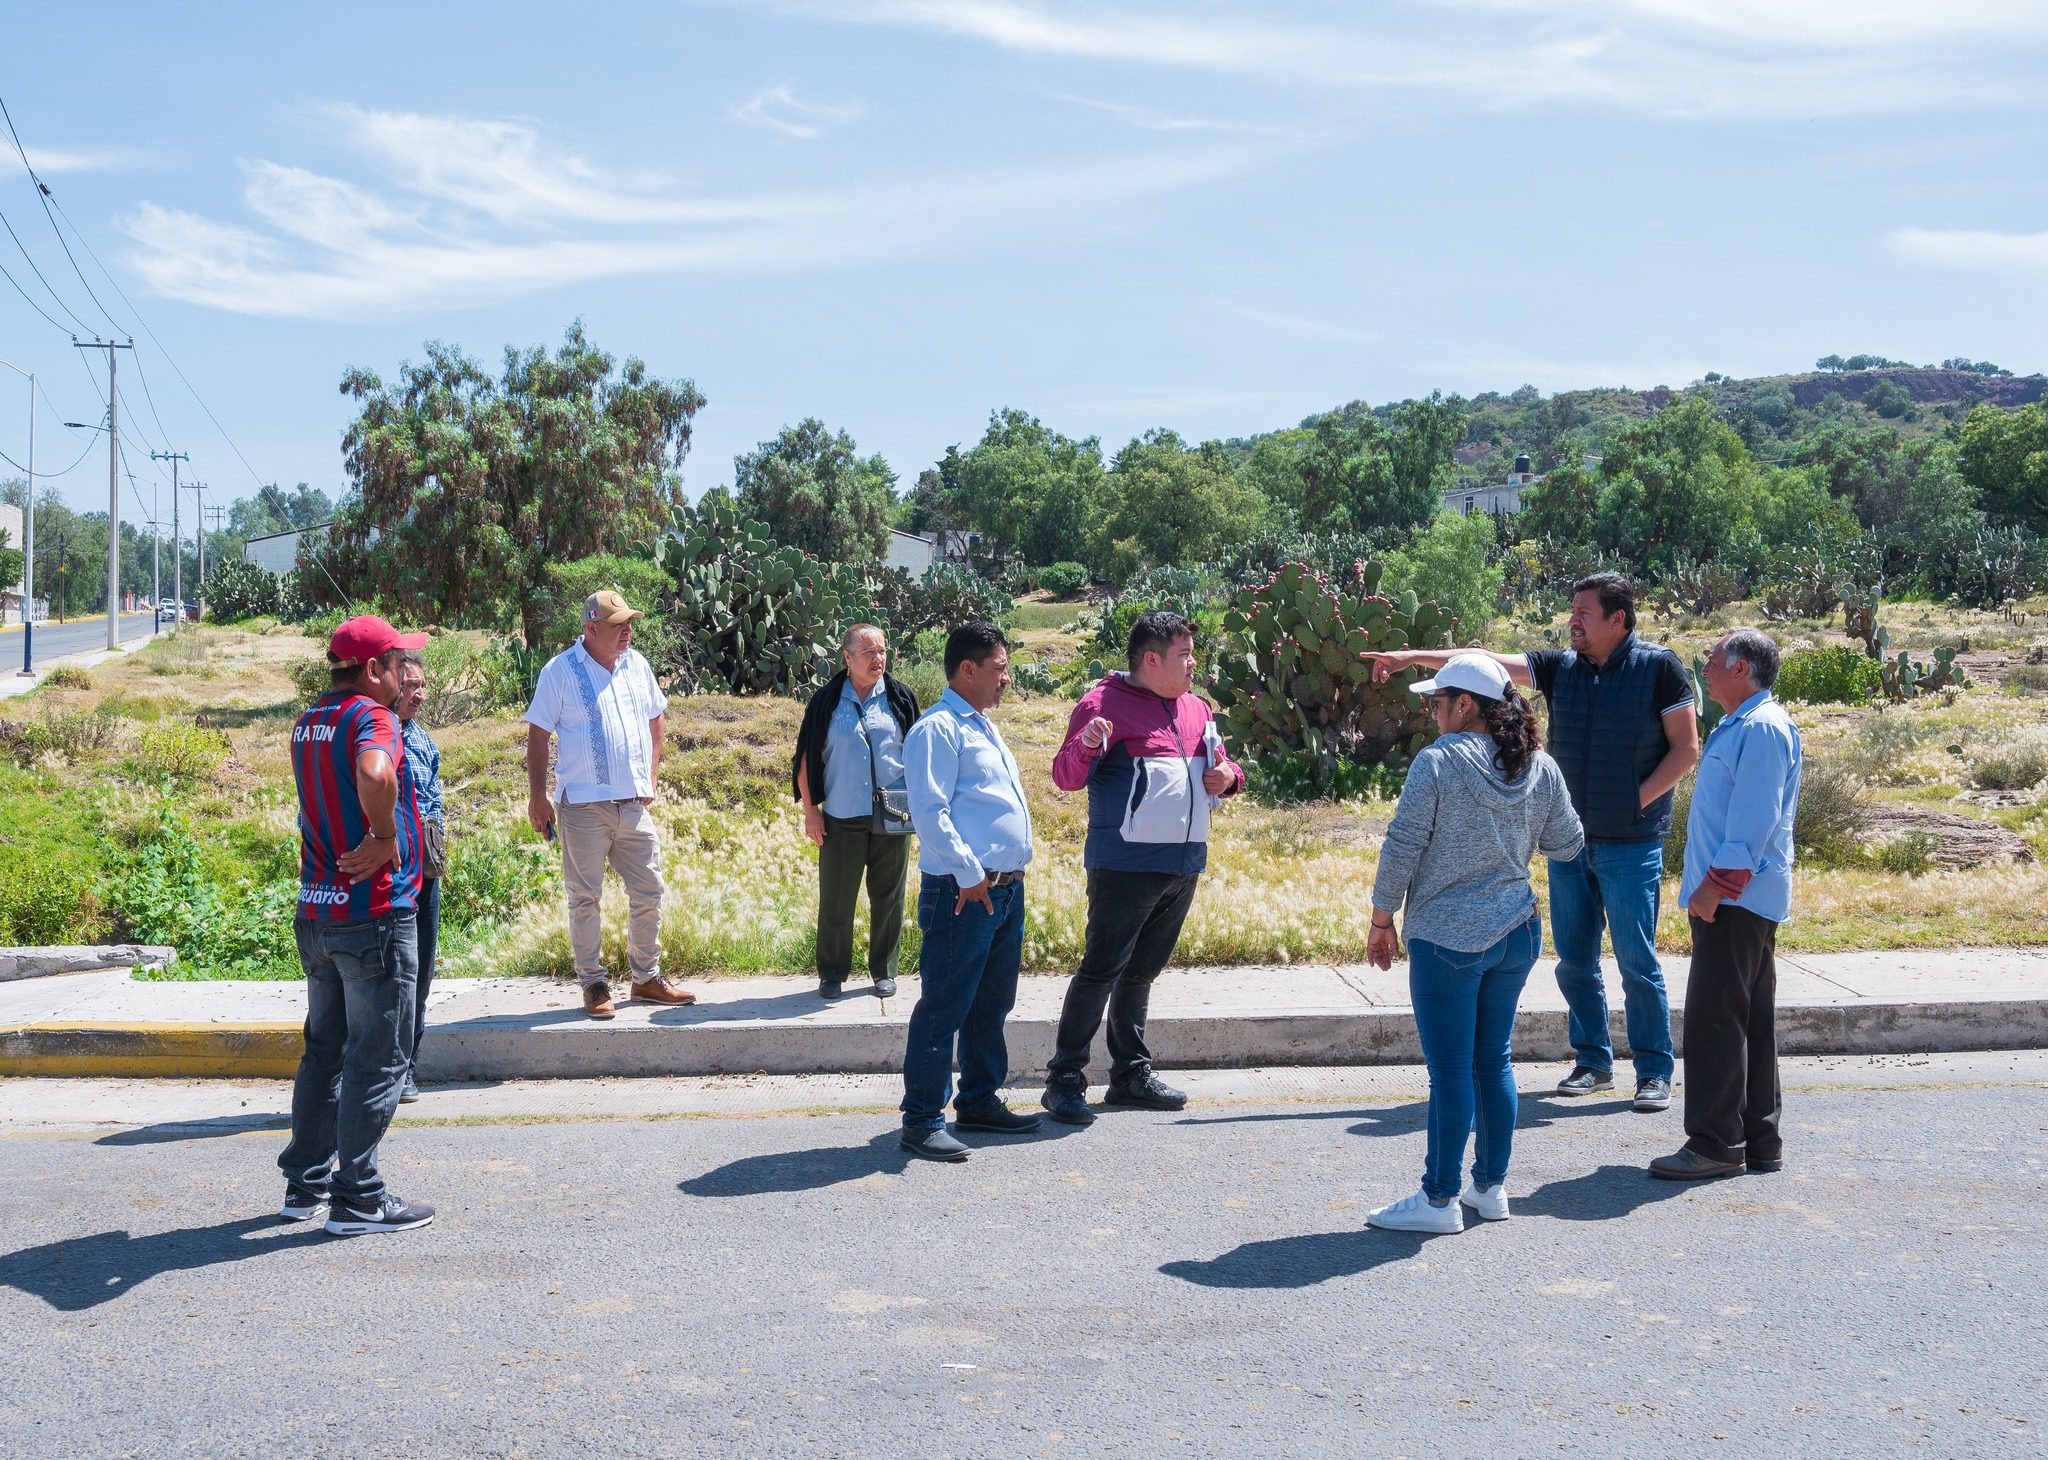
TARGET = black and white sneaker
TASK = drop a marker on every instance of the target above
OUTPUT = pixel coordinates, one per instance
(303, 1201)
(1582, 1081)
(1653, 1094)
(387, 1214)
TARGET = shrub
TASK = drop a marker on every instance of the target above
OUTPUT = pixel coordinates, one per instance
(44, 902)
(1063, 580)
(69, 676)
(157, 891)
(238, 591)
(72, 734)
(1833, 820)
(1837, 675)
(2027, 679)
(490, 878)
(183, 652)
(1284, 780)
(2017, 764)
(1033, 676)
(643, 584)
(1911, 855)
(311, 679)
(925, 678)
(179, 751)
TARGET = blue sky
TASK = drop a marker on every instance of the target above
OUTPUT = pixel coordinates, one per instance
(898, 215)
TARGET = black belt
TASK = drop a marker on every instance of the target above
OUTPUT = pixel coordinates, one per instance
(1004, 879)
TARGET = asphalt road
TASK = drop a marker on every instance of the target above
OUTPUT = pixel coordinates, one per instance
(56, 641)
(1159, 1285)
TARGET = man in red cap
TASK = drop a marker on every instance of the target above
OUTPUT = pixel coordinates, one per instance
(359, 884)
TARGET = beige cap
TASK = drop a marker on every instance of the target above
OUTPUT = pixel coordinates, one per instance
(608, 607)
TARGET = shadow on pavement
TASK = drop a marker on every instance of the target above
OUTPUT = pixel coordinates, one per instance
(1611, 1191)
(821, 1166)
(1299, 1262)
(195, 1130)
(84, 1272)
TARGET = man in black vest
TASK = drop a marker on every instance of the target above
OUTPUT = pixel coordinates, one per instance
(1622, 730)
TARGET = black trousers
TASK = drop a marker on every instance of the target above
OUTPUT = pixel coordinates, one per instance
(1134, 919)
(1732, 1101)
(850, 855)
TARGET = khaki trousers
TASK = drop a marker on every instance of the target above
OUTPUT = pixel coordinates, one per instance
(621, 832)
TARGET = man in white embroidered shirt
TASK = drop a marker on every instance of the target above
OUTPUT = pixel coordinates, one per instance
(600, 697)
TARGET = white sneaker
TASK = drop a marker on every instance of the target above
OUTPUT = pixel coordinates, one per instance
(1417, 1214)
(1488, 1203)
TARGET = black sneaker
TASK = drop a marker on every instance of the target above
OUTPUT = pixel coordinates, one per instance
(387, 1213)
(409, 1091)
(995, 1116)
(1147, 1092)
(303, 1200)
(933, 1145)
(1067, 1104)
(831, 988)
(1582, 1081)
(1653, 1094)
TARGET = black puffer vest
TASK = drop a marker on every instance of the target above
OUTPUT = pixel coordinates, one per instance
(1607, 735)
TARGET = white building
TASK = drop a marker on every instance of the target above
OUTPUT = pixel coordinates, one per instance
(1500, 497)
(278, 552)
(911, 553)
(10, 593)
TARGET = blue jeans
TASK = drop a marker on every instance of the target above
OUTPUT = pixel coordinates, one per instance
(429, 939)
(1615, 884)
(967, 981)
(359, 1013)
(1465, 1014)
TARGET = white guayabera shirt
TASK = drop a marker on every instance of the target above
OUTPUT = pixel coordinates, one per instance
(604, 749)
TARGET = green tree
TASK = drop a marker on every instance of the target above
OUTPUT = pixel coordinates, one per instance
(1679, 484)
(2004, 455)
(1030, 488)
(11, 562)
(1448, 561)
(817, 493)
(469, 486)
(1169, 504)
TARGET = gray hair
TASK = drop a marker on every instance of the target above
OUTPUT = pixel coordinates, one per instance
(417, 658)
(1756, 651)
(853, 636)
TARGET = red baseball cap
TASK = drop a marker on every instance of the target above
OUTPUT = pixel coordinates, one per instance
(363, 638)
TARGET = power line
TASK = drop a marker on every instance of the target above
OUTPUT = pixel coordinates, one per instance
(43, 197)
(44, 476)
(40, 279)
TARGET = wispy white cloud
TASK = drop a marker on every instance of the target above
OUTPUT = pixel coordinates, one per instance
(1666, 57)
(780, 109)
(50, 161)
(466, 211)
(1956, 248)
(1295, 325)
(1147, 119)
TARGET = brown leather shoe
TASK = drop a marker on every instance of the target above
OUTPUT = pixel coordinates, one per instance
(597, 1001)
(659, 990)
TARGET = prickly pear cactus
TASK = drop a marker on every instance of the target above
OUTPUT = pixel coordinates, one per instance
(751, 617)
(1288, 680)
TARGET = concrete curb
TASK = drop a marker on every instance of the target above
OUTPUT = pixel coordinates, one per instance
(43, 962)
(526, 1048)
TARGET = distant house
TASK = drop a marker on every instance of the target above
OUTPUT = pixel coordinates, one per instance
(911, 553)
(278, 552)
(1499, 497)
(10, 593)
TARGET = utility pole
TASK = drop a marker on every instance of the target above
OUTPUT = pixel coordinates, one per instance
(28, 533)
(177, 547)
(113, 489)
(199, 534)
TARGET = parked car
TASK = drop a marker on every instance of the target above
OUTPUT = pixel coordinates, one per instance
(166, 613)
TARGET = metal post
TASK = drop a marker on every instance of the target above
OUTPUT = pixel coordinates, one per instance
(113, 488)
(177, 543)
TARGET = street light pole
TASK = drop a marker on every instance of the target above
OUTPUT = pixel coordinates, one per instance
(113, 488)
(177, 544)
(28, 533)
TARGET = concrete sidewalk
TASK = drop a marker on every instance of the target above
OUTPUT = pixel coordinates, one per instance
(108, 1024)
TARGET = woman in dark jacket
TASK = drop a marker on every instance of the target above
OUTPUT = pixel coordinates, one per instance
(848, 773)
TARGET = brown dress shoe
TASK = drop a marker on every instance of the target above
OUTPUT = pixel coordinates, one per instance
(660, 991)
(597, 1000)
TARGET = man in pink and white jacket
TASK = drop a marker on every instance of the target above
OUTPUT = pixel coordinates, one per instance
(1146, 747)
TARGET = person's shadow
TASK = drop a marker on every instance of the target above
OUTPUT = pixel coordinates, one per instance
(1382, 1120)
(194, 1130)
(1299, 1262)
(1598, 1195)
(84, 1272)
(783, 1171)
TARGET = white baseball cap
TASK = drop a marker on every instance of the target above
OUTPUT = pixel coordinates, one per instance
(1477, 674)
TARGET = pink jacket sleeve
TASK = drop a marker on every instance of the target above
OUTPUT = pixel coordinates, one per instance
(1071, 766)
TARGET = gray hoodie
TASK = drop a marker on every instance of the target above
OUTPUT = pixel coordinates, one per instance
(1458, 849)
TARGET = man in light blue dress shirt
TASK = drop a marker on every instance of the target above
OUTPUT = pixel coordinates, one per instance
(1737, 888)
(974, 841)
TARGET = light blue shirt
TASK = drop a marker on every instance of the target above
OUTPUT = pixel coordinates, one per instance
(1743, 802)
(849, 781)
(966, 797)
(423, 768)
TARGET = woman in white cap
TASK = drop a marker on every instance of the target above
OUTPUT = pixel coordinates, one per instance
(1479, 802)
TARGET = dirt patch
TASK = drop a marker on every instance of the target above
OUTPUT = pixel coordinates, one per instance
(1961, 842)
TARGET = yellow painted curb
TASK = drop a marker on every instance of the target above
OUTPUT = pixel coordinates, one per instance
(117, 1050)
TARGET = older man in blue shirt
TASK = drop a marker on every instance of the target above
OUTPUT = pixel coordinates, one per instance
(1737, 888)
(974, 841)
